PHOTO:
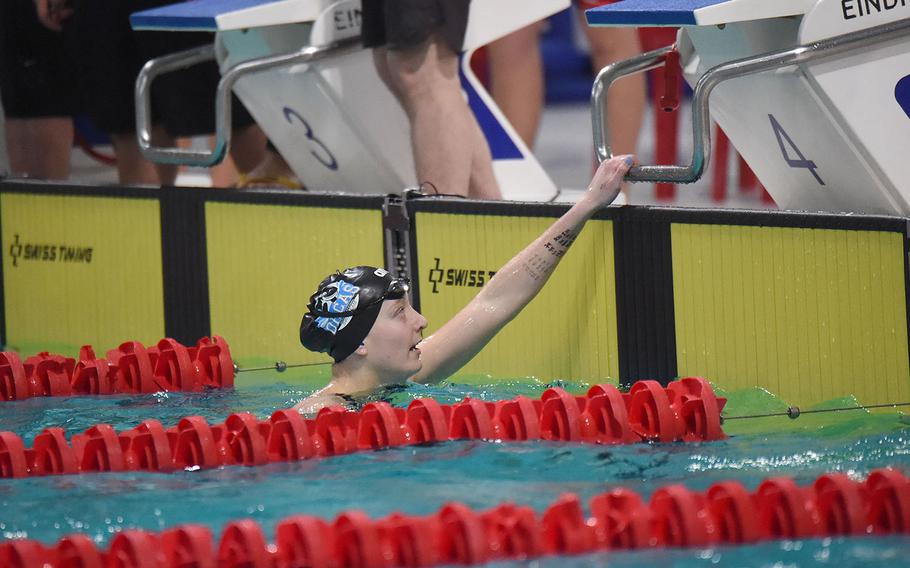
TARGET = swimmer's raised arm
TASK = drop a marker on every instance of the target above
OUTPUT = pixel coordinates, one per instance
(516, 283)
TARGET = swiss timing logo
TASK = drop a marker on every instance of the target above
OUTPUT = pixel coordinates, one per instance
(43, 252)
(465, 277)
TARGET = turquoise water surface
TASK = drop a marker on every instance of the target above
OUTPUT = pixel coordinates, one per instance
(419, 480)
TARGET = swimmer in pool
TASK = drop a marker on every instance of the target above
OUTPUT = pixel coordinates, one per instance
(362, 317)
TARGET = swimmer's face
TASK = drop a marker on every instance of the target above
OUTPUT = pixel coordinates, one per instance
(391, 345)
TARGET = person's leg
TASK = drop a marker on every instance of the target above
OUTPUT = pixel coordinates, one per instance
(248, 147)
(627, 98)
(449, 150)
(40, 147)
(426, 77)
(39, 93)
(381, 62)
(224, 174)
(482, 184)
(516, 79)
(133, 168)
(4, 155)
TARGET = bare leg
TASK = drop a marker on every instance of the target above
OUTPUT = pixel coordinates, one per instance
(516, 79)
(4, 154)
(247, 152)
(449, 150)
(483, 184)
(133, 168)
(167, 173)
(40, 147)
(224, 174)
(248, 147)
(381, 62)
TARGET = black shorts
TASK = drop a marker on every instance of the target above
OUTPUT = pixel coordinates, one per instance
(110, 55)
(37, 79)
(402, 24)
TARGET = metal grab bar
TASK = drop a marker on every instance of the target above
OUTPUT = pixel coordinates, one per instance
(605, 78)
(701, 131)
(174, 62)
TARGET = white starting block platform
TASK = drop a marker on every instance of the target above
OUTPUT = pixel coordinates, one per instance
(815, 94)
(330, 115)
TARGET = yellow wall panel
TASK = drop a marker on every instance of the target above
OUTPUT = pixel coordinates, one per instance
(567, 332)
(808, 314)
(265, 261)
(81, 270)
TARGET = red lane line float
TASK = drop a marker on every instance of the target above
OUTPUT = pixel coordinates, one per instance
(428, 421)
(129, 369)
(77, 550)
(148, 447)
(49, 375)
(188, 545)
(602, 416)
(675, 517)
(730, 505)
(681, 518)
(889, 510)
(134, 363)
(13, 380)
(13, 462)
(564, 528)
(289, 437)
(304, 541)
(650, 413)
(621, 520)
(518, 419)
(402, 540)
(606, 418)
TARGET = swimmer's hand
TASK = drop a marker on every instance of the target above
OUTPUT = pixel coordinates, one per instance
(607, 180)
(52, 13)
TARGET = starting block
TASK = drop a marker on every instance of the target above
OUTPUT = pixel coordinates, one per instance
(299, 68)
(814, 94)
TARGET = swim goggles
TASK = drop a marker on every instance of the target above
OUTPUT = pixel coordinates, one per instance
(397, 288)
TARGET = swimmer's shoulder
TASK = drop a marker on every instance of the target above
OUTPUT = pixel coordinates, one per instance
(319, 400)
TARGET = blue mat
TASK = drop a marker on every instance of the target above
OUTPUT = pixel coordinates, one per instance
(195, 15)
(648, 13)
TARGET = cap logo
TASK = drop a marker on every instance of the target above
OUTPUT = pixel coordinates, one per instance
(337, 297)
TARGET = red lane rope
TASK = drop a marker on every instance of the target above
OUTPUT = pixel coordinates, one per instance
(725, 514)
(129, 369)
(686, 410)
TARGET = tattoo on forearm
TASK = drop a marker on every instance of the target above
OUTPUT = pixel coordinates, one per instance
(565, 238)
(561, 243)
(538, 267)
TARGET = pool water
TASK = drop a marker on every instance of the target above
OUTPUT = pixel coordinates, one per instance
(419, 480)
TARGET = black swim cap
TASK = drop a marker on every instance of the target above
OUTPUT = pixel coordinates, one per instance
(344, 308)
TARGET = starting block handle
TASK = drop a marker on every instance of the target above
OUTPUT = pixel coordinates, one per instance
(701, 121)
(181, 60)
(605, 78)
(150, 71)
